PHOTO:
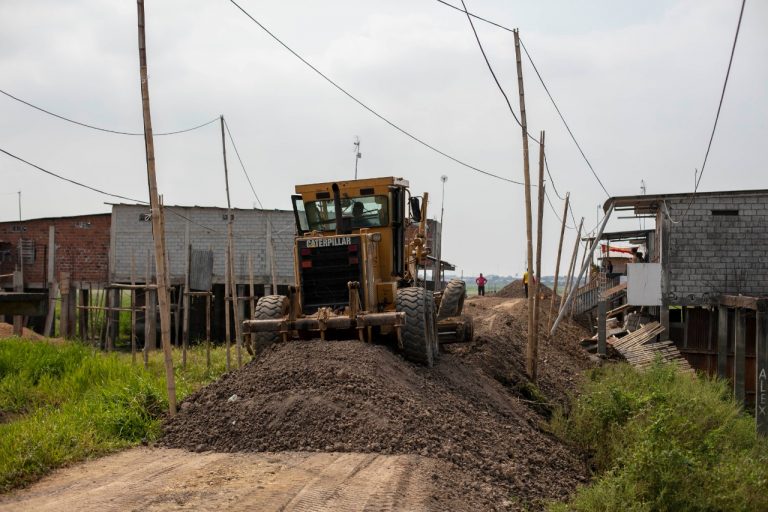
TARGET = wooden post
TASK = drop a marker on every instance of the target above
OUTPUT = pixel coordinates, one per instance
(534, 350)
(252, 290)
(18, 286)
(133, 308)
(530, 367)
(722, 342)
(572, 266)
(227, 295)
(187, 299)
(48, 329)
(208, 331)
(578, 282)
(761, 368)
(557, 265)
(231, 257)
(602, 309)
(158, 233)
(739, 360)
(64, 311)
(82, 320)
(271, 254)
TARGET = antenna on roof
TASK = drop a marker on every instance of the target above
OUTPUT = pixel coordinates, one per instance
(358, 154)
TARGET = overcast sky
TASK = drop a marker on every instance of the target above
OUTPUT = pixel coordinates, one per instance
(638, 82)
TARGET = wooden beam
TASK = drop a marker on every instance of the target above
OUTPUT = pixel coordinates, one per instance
(557, 266)
(722, 342)
(739, 301)
(739, 359)
(761, 369)
(537, 275)
(601, 321)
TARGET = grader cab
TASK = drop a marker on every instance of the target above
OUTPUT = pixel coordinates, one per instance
(356, 267)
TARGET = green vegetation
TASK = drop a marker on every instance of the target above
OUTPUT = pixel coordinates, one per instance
(662, 440)
(61, 403)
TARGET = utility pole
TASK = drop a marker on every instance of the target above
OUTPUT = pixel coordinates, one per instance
(19, 205)
(557, 265)
(537, 276)
(233, 296)
(571, 268)
(358, 154)
(530, 366)
(158, 233)
(439, 280)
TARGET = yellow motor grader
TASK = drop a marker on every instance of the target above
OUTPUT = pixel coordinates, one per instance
(356, 267)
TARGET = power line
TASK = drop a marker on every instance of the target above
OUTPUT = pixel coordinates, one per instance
(242, 165)
(469, 14)
(366, 107)
(589, 164)
(557, 216)
(551, 180)
(118, 196)
(722, 95)
(102, 129)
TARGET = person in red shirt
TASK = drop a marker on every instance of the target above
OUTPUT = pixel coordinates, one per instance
(481, 284)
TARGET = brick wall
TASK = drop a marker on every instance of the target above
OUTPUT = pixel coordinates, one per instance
(82, 247)
(206, 229)
(709, 255)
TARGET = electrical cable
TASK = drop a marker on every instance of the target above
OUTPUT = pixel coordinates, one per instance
(118, 196)
(589, 164)
(366, 107)
(557, 216)
(242, 165)
(103, 129)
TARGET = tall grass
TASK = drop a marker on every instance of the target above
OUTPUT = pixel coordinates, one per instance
(68, 402)
(661, 440)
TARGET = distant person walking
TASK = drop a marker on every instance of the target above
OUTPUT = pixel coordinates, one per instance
(525, 281)
(481, 284)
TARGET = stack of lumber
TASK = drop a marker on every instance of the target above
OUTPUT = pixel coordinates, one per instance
(640, 349)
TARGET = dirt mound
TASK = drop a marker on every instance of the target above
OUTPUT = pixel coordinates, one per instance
(499, 350)
(6, 331)
(516, 290)
(347, 396)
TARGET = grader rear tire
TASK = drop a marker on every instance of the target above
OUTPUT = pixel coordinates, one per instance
(419, 333)
(269, 307)
(453, 299)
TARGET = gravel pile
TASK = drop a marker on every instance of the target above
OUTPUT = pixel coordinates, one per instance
(347, 396)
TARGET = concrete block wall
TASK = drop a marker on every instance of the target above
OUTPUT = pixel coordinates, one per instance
(711, 254)
(206, 229)
(82, 248)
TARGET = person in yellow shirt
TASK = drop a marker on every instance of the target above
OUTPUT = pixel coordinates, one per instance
(525, 281)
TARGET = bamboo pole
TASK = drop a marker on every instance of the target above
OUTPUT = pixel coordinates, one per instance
(528, 228)
(252, 290)
(186, 299)
(557, 266)
(572, 265)
(231, 257)
(208, 332)
(539, 225)
(158, 228)
(133, 308)
(227, 294)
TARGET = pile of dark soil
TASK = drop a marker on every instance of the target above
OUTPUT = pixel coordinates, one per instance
(499, 350)
(516, 290)
(347, 396)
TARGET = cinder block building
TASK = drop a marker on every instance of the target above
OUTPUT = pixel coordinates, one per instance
(712, 288)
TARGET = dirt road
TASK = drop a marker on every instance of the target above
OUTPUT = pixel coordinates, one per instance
(166, 479)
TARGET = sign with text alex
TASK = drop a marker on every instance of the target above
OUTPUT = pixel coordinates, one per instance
(644, 284)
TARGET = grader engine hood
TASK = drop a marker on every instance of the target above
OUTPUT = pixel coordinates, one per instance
(324, 267)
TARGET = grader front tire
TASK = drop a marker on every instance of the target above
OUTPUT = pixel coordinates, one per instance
(419, 334)
(452, 302)
(269, 307)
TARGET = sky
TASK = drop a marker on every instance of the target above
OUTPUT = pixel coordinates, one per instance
(637, 82)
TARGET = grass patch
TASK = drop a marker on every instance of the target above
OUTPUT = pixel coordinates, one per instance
(68, 402)
(661, 440)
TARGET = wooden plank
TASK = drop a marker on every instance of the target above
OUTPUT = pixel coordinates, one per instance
(601, 307)
(614, 290)
(739, 301)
